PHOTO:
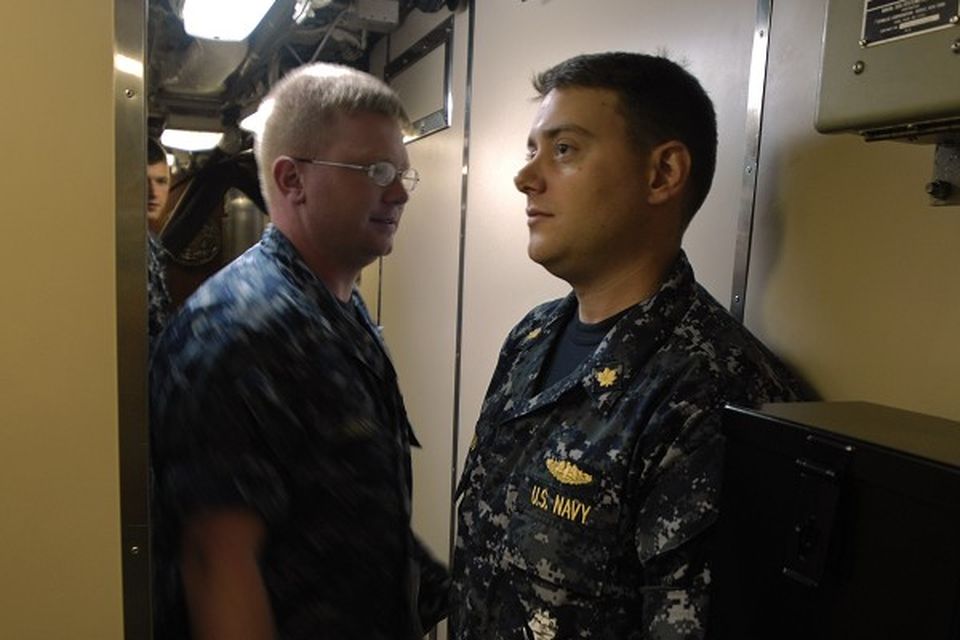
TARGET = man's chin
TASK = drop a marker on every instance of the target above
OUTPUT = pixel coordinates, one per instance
(552, 262)
(380, 252)
(538, 253)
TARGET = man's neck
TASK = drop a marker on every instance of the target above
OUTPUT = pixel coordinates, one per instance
(338, 283)
(605, 295)
(338, 278)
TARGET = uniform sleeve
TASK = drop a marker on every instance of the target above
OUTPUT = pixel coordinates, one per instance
(433, 603)
(212, 447)
(674, 526)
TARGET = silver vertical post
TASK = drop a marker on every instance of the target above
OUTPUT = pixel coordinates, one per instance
(755, 93)
(130, 161)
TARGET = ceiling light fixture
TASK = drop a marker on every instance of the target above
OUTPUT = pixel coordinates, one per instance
(186, 140)
(230, 20)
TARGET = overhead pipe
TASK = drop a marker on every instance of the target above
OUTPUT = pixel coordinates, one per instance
(268, 36)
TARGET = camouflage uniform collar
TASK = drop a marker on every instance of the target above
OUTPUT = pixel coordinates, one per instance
(636, 336)
(535, 341)
(351, 320)
(628, 344)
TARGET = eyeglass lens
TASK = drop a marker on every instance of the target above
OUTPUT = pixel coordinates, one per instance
(384, 173)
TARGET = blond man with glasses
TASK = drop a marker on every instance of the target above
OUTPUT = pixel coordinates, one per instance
(280, 443)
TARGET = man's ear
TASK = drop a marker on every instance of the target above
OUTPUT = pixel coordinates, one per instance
(286, 177)
(669, 169)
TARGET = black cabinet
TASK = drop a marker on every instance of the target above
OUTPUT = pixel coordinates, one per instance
(838, 520)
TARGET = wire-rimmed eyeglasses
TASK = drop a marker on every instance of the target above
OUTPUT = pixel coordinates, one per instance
(382, 173)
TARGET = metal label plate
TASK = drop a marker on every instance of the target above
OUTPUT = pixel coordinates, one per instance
(887, 20)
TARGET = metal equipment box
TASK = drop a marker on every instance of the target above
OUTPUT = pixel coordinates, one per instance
(838, 520)
(891, 69)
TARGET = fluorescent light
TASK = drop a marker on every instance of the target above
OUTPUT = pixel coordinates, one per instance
(190, 140)
(223, 19)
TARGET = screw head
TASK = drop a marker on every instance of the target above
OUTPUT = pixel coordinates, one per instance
(129, 93)
(859, 67)
(954, 19)
(955, 47)
(134, 550)
(863, 42)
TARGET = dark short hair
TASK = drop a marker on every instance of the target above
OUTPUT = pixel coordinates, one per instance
(155, 152)
(660, 101)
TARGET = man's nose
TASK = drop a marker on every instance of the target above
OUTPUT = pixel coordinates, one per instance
(528, 177)
(395, 192)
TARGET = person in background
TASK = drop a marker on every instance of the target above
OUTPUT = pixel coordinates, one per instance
(158, 189)
(280, 445)
(588, 495)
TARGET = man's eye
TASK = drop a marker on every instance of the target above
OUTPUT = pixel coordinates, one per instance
(530, 153)
(562, 148)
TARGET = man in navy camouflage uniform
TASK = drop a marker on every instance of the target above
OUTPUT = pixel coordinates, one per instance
(159, 304)
(591, 485)
(280, 445)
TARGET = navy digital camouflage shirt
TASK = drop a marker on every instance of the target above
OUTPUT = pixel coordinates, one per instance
(585, 507)
(269, 394)
(158, 296)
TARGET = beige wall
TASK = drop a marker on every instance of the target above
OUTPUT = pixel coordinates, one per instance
(419, 280)
(59, 505)
(855, 278)
(419, 294)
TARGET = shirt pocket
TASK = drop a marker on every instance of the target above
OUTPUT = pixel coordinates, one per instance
(557, 551)
(558, 546)
(562, 533)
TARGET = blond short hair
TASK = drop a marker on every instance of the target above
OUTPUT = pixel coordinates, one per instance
(305, 102)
